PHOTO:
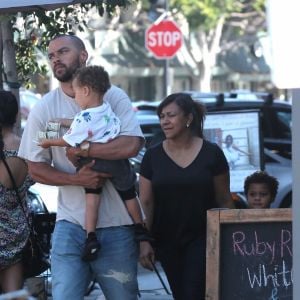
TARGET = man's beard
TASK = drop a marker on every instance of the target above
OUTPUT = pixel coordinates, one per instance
(67, 75)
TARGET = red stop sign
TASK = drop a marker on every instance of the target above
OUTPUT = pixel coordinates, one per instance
(163, 39)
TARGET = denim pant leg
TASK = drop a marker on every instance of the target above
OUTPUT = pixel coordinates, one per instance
(70, 275)
(116, 266)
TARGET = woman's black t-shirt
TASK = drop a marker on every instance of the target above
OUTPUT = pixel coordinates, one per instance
(182, 195)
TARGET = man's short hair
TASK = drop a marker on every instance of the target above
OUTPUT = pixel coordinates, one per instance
(74, 38)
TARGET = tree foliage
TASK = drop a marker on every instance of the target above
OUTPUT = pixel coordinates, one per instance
(204, 14)
(213, 23)
(33, 30)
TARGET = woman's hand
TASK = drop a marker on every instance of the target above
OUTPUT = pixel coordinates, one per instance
(147, 256)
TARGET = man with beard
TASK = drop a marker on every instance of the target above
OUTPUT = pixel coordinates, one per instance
(115, 269)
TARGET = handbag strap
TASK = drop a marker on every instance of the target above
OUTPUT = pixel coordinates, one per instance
(16, 190)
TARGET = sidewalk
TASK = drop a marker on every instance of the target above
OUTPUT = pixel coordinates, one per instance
(151, 287)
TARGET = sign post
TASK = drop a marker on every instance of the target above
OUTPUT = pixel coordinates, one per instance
(164, 39)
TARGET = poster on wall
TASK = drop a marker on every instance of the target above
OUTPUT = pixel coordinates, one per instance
(238, 135)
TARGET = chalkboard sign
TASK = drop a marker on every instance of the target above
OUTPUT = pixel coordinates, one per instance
(249, 254)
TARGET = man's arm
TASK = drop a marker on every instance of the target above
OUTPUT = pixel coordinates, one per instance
(86, 177)
(121, 147)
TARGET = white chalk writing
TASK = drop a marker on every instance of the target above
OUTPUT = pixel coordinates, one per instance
(276, 276)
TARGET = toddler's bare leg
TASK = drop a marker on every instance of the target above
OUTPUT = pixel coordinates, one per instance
(92, 246)
(91, 212)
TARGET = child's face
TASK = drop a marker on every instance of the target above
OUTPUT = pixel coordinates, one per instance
(259, 196)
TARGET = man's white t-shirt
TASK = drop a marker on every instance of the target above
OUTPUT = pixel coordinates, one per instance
(71, 199)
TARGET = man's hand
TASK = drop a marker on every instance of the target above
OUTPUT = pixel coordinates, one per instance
(91, 179)
(73, 154)
(147, 257)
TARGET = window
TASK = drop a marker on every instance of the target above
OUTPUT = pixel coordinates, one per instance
(285, 124)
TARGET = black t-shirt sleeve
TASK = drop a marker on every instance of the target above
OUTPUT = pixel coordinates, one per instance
(221, 164)
(146, 167)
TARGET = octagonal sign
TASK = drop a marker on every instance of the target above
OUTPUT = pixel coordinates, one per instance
(163, 39)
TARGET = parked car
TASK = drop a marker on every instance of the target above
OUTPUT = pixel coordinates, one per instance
(35, 202)
(275, 119)
(275, 116)
(44, 221)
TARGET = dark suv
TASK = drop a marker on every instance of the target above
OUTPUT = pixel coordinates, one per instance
(276, 117)
(275, 121)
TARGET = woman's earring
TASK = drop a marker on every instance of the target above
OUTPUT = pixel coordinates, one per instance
(187, 125)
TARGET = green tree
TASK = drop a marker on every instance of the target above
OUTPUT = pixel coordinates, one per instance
(31, 32)
(212, 23)
(24, 36)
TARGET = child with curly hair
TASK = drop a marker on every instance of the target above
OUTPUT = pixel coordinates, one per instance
(260, 189)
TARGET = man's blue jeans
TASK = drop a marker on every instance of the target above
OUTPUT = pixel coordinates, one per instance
(115, 268)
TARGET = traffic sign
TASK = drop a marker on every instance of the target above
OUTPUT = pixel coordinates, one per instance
(163, 39)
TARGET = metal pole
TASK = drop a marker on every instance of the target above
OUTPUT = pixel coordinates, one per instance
(167, 88)
(296, 191)
(166, 78)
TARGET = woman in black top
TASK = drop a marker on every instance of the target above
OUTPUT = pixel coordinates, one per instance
(180, 179)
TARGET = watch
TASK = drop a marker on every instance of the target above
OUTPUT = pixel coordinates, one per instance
(85, 147)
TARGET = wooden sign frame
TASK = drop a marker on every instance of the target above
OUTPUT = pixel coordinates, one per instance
(215, 219)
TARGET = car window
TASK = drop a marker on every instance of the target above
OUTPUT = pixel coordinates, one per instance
(285, 123)
(280, 121)
(152, 133)
(276, 127)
